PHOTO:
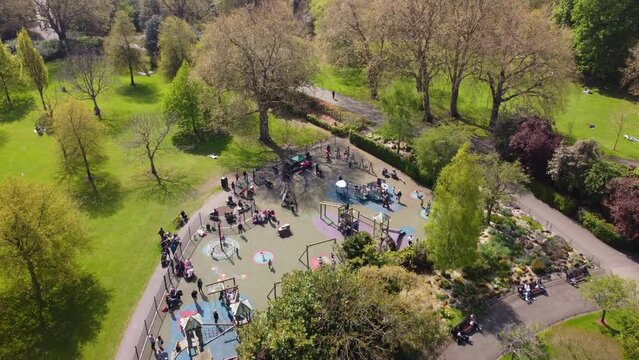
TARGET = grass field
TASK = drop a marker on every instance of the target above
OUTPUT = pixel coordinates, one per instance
(571, 118)
(124, 249)
(582, 338)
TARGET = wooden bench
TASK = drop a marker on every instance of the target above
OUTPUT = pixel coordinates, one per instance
(577, 275)
(466, 327)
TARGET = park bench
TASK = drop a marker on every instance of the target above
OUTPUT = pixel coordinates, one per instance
(465, 329)
(577, 275)
(536, 289)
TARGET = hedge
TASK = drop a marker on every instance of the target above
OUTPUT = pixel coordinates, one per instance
(603, 230)
(391, 157)
(339, 131)
(550, 196)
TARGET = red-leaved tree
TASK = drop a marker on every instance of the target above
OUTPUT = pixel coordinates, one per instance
(534, 144)
(623, 205)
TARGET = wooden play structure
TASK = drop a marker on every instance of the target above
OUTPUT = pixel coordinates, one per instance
(349, 219)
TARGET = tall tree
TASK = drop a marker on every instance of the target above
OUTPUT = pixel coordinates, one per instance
(151, 35)
(464, 27)
(630, 78)
(32, 64)
(120, 47)
(190, 10)
(522, 342)
(609, 292)
(629, 322)
(260, 52)
(604, 31)
(522, 63)
(455, 221)
(80, 138)
(15, 15)
(183, 100)
(416, 29)
(598, 176)
(400, 106)
(335, 314)
(356, 33)
(148, 132)
(501, 180)
(9, 71)
(40, 236)
(175, 42)
(90, 75)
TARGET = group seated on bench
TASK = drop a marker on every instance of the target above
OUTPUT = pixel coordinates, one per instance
(462, 332)
(528, 291)
(577, 275)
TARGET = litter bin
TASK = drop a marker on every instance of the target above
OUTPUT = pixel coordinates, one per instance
(224, 182)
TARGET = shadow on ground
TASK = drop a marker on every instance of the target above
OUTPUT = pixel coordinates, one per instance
(75, 308)
(106, 201)
(21, 107)
(140, 93)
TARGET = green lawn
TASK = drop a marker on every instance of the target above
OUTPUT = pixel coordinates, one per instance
(124, 250)
(575, 112)
(582, 338)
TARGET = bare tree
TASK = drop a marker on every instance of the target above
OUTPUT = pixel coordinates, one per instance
(416, 31)
(356, 33)
(90, 75)
(148, 131)
(521, 342)
(619, 119)
(464, 25)
(187, 9)
(525, 56)
(120, 47)
(630, 78)
(259, 52)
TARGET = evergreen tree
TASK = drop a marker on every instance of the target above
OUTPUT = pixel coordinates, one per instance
(456, 217)
(183, 101)
(32, 64)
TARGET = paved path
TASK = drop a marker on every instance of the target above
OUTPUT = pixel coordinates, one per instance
(563, 302)
(581, 239)
(368, 111)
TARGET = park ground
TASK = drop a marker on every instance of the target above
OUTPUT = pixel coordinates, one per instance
(124, 250)
(571, 116)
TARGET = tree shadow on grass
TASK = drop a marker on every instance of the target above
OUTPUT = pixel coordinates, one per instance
(106, 201)
(140, 93)
(75, 309)
(211, 144)
(171, 186)
(22, 105)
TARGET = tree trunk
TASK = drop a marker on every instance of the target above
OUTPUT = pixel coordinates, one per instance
(494, 112)
(88, 170)
(603, 317)
(454, 97)
(131, 73)
(6, 92)
(489, 212)
(428, 116)
(154, 171)
(195, 132)
(614, 148)
(419, 86)
(37, 293)
(96, 108)
(373, 83)
(41, 93)
(265, 136)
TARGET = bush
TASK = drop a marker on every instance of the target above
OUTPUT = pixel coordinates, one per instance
(354, 246)
(538, 266)
(534, 144)
(49, 49)
(391, 157)
(436, 147)
(339, 131)
(415, 257)
(603, 230)
(554, 199)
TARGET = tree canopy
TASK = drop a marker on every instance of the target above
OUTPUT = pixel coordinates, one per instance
(436, 147)
(609, 292)
(259, 52)
(455, 221)
(176, 40)
(32, 64)
(183, 101)
(9, 72)
(120, 47)
(534, 144)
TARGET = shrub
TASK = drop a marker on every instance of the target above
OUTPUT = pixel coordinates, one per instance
(49, 49)
(390, 157)
(355, 245)
(534, 144)
(538, 266)
(435, 148)
(339, 131)
(603, 230)
(532, 223)
(415, 257)
(555, 248)
(623, 204)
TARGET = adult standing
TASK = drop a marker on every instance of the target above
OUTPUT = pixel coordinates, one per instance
(200, 283)
(216, 317)
(152, 341)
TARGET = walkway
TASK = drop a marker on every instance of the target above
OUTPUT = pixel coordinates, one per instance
(563, 302)
(581, 239)
(368, 111)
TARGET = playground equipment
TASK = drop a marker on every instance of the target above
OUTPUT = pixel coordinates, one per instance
(305, 254)
(350, 220)
(372, 191)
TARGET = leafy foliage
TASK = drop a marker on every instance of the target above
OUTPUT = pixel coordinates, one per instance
(31, 64)
(623, 205)
(522, 342)
(334, 313)
(534, 144)
(598, 176)
(176, 40)
(629, 321)
(609, 292)
(599, 227)
(151, 37)
(603, 33)
(183, 101)
(501, 181)
(456, 217)
(570, 165)
(119, 45)
(436, 147)
(400, 104)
